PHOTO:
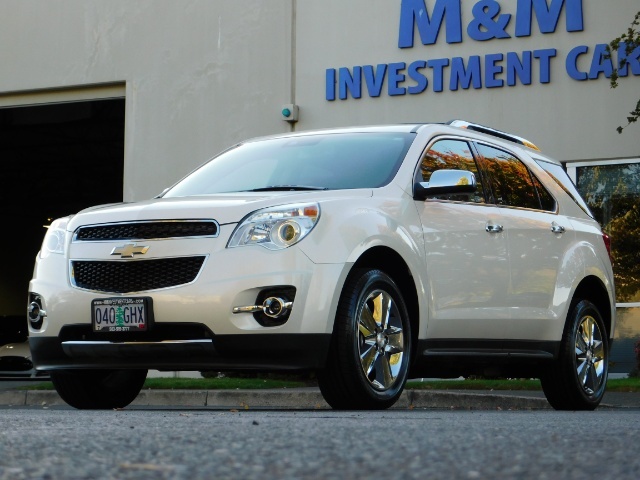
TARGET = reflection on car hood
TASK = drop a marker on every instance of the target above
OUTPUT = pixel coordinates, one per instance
(224, 208)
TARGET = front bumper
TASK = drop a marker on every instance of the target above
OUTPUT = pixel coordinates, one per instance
(279, 352)
(194, 326)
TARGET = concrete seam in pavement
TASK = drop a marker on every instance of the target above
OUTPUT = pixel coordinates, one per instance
(308, 399)
(303, 398)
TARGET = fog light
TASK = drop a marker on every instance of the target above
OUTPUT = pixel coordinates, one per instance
(35, 313)
(275, 307)
(272, 306)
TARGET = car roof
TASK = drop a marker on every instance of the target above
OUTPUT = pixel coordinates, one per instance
(412, 128)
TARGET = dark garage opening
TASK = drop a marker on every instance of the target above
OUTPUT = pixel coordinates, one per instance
(55, 160)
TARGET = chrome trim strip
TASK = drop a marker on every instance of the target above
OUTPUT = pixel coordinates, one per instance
(132, 222)
(87, 343)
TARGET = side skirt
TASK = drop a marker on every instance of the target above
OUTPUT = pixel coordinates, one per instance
(450, 358)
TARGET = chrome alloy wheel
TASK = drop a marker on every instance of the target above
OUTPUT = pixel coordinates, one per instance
(589, 355)
(381, 342)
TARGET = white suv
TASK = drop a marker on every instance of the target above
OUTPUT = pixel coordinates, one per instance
(368, 255)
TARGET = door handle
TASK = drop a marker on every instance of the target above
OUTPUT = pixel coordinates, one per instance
(555, 228)
(493, 228)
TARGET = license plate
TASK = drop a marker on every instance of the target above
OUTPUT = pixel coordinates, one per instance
(120, 314)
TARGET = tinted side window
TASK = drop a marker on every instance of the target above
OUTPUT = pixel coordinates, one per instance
(510, 179)
(546, 199)
(562, 179)
(451, 155)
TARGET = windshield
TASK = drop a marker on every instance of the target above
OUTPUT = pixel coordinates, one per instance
(319, 161)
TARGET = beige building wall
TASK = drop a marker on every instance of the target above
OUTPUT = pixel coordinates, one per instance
(569, 119)
(199, 75)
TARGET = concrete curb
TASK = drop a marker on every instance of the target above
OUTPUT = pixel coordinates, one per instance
(304, 399)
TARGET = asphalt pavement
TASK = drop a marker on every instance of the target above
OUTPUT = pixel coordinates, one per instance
(309, 398)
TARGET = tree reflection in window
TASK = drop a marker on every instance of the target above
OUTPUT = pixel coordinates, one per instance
(510, 179)
(452, 155)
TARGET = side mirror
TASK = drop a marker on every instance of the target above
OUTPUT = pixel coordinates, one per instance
(445, 182)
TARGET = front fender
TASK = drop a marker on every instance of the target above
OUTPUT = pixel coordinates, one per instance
(349, 228)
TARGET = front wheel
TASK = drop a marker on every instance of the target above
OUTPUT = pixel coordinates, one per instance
(578, 379)
(370, 349)
(98, 389)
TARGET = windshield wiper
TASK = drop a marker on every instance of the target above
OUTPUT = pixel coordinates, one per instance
(286, 188)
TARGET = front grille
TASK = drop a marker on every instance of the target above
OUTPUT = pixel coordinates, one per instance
(148, 230)
(135, 276)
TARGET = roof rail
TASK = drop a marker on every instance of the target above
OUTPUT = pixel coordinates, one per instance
(492, 131)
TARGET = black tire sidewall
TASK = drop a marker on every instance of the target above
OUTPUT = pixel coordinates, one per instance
(570, 367)
(98, 389)
(349, 313)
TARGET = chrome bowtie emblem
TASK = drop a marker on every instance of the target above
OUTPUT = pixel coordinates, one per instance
(129, 250)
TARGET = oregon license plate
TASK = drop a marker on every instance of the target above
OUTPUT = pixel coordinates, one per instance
(120, 314)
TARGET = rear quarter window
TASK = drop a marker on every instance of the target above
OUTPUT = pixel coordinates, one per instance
(560, 176)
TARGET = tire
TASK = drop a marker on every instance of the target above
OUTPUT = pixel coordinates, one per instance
(98, 389)
(370, 348)
(578, 379)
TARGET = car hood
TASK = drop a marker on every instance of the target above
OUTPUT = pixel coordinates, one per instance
(224, 208)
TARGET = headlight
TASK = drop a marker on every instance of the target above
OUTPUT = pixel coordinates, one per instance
(54, 239)
(276, 227)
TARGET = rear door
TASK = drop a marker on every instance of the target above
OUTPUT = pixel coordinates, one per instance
(537, 239)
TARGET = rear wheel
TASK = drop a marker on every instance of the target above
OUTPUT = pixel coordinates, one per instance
(98, 389)
(370, 350)
(578, 379)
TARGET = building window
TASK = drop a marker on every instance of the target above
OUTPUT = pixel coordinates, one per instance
(612, 192)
